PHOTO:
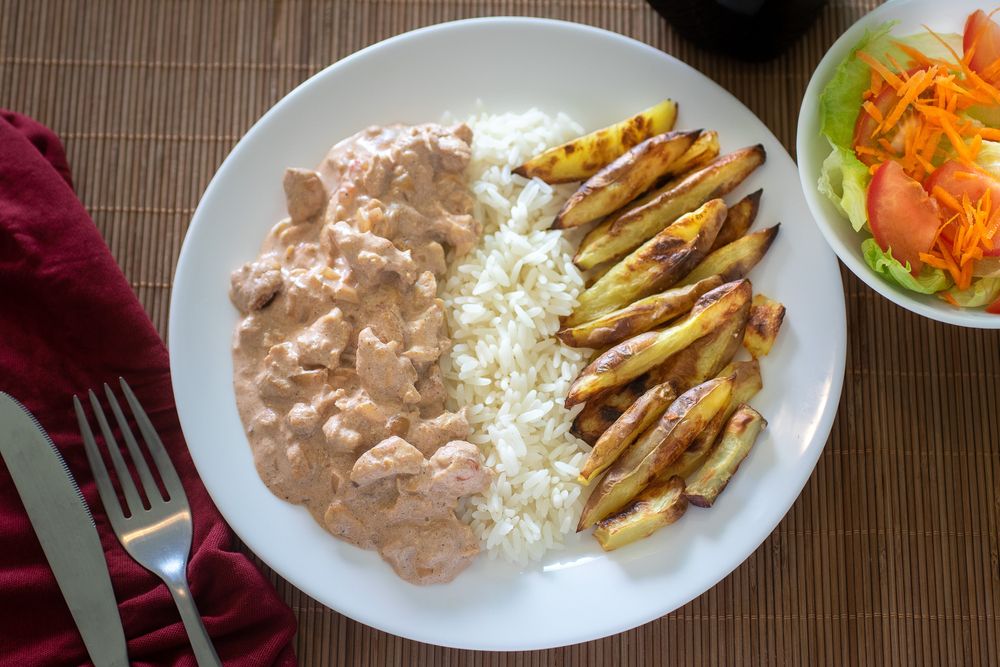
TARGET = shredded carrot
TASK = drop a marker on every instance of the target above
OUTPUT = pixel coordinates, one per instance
(946, 198)
(946, 296)
(873, 111)
(922, 124)
(883, 71)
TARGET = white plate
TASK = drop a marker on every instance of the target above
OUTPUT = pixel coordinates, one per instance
(580, 593)
(812, 148)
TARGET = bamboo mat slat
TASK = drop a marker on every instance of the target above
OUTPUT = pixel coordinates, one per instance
(891, 555)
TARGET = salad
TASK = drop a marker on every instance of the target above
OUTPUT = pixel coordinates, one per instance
(914, 129)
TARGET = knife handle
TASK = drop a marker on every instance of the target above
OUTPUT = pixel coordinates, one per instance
(204, 652)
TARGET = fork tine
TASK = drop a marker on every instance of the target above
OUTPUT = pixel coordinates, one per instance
(152, 492)
(124, 476)
(167, 471)
(111, 505)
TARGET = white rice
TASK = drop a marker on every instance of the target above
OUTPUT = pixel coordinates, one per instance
(504, 301)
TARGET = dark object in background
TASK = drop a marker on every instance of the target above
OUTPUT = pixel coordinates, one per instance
(752, 30)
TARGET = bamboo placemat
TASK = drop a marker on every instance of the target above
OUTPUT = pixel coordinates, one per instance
(891, 554)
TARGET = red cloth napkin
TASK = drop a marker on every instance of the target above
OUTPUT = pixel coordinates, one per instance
(68, 322)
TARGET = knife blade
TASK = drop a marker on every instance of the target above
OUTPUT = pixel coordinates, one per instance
(66, 530)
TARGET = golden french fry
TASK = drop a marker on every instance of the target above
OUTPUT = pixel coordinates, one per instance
(738, 437)
(766, 316)
(746, 383)
(639, 417)
(738, 220)
(626, 230)
(627, 361)
(704, 149)
(693, 365)
(583, 157)
(655, 449)
(654, 266)
(735, 260)
(658, 505)
(638, 317)
(623, 180)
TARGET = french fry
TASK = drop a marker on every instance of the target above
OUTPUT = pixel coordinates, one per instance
(654, 266)
(766, 316)
(746, 383)
(638, 317)
(707, 357)
(736, 259)
(737, 439)
(738, 220)
(655, 449)
(624, 231)
(627, 361)
(583, 157)
(640, 416)
(693, 365)
(658, 505)
(704, 149)
(624, 179)
(601, 412)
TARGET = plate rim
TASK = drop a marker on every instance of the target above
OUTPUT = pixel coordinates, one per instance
(823, 424)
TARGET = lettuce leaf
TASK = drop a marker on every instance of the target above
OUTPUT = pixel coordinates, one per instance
(844, 180)
(929, 281)
(989, 157)
(840, 101)
(988, 115)
(981, 293)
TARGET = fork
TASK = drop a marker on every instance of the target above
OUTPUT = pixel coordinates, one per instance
(157, 537)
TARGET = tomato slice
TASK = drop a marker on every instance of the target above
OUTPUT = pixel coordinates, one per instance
(985, 32)
(994, 307)
(902, 217)
(961, 180)
(885, 101)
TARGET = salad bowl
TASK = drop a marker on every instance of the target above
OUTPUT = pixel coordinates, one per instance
(906, 21)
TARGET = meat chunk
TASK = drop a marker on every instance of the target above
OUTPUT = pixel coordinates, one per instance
(344, 524)
(454, 150)
(432, 553)
(302, 420)
(392, 456)
(307, 294)
(324, 340)
(372, 256)
(383, 373)
(424, 291)
(305, 194)
(429, 434)
(254, 285)
(431, 256)
(281, 365)
(457, 470)
(359, 422)
(432, 391)
(425, 334)
(459, 230)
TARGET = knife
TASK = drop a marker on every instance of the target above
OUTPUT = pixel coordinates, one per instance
(65, 529)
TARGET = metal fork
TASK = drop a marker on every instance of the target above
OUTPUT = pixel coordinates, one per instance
(158, 538)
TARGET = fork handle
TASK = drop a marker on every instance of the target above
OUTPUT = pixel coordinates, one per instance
(204, 652)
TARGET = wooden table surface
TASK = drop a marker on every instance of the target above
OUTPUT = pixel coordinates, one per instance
(891, 554)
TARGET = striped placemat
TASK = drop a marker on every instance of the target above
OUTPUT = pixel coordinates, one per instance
(890, 556)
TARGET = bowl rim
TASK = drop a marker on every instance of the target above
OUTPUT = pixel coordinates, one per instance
(808, 125)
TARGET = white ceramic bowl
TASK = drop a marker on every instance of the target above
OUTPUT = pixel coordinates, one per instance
(579, 593)
(812, 148)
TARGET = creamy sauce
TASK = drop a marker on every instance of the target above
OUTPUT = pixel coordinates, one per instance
(336, 360)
